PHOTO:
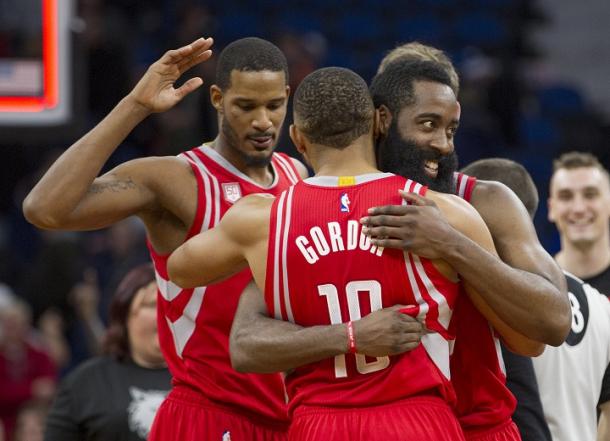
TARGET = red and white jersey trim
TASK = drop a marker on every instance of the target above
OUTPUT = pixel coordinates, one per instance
(211, 185)
(281, 241)
(289, 168)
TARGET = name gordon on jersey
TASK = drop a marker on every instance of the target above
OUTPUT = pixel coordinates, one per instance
(321, 242)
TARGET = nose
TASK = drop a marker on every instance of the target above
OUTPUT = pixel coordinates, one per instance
(261, 120)
(442, 143)
(578, 204)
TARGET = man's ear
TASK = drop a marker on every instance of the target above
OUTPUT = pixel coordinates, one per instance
(299, 141)
(216, 98)
(385, 120)
(376, 125)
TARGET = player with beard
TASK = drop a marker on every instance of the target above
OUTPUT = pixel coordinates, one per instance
(316, 271)
(522, 295)
(176, 198)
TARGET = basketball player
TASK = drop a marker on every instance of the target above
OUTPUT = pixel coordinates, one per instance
(571, 376)
(485, 405)
(519, 370)
(176, 198)
(579, 205)
(306, 250)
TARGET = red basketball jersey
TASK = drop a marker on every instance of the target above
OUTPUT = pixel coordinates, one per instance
(194, 324)
(477, 368)
(321, 270)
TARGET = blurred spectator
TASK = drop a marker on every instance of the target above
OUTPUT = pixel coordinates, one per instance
(579, 205)
(115, 397)
(85, 297)
(51, 331)
(30, 421)
(26, 370)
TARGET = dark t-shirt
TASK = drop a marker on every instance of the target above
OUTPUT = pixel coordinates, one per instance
(107, 400)
(521, 380)
(601, 281)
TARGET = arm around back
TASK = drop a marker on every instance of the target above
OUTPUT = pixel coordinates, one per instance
(467, 221)
(538, 301)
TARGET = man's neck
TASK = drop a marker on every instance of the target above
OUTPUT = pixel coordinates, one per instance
(262, 175)
(584, 262)
(353, 160)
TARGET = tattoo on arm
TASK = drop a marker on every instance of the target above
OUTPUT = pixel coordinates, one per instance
(114, 186)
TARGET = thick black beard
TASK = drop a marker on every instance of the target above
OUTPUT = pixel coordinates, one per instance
(233, 141)
(406, 158)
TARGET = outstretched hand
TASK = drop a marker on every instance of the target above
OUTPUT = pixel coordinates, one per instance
(156, 92)
(419, 227)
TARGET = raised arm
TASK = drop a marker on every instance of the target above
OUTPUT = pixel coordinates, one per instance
(69, 196)
(525, 288)
(262, 344)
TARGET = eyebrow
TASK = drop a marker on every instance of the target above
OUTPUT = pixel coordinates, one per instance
(242, 100)
(433, 115)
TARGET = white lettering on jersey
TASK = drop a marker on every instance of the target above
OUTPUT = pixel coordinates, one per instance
(323, 241)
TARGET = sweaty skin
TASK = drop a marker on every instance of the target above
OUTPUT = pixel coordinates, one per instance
(525, 288)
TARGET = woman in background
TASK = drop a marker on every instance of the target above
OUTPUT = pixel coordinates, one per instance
(115, 396)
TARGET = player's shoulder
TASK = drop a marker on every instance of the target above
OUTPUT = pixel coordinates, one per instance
(493, 193)
(450, 203)
(254, 207)
(301, 169)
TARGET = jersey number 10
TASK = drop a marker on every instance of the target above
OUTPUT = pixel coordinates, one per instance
(373, 288)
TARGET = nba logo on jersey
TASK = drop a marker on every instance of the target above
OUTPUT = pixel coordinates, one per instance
(344, 203)
(226, 436)
(232, 192)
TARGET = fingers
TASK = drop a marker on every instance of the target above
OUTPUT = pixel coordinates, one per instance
(196, 47)
(189, 62)
(188, 87)
(415, 199)
(394, 210)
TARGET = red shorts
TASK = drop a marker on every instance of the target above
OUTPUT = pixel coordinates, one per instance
(505, 432)
(414, 419)
(186, 415)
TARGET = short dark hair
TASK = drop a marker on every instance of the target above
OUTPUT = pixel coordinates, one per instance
(393, 87)
(511, 174)
(116, 339)
(332, 107)
(571, 160)
(249, 55)
(415, 50)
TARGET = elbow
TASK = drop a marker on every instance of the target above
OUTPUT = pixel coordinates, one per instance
(39, 215)
(240, 363)
(244, 355)
(176, 272)
(558, 322)
(527, 349)
(239, 359)
(34, 213)
(561, 324)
